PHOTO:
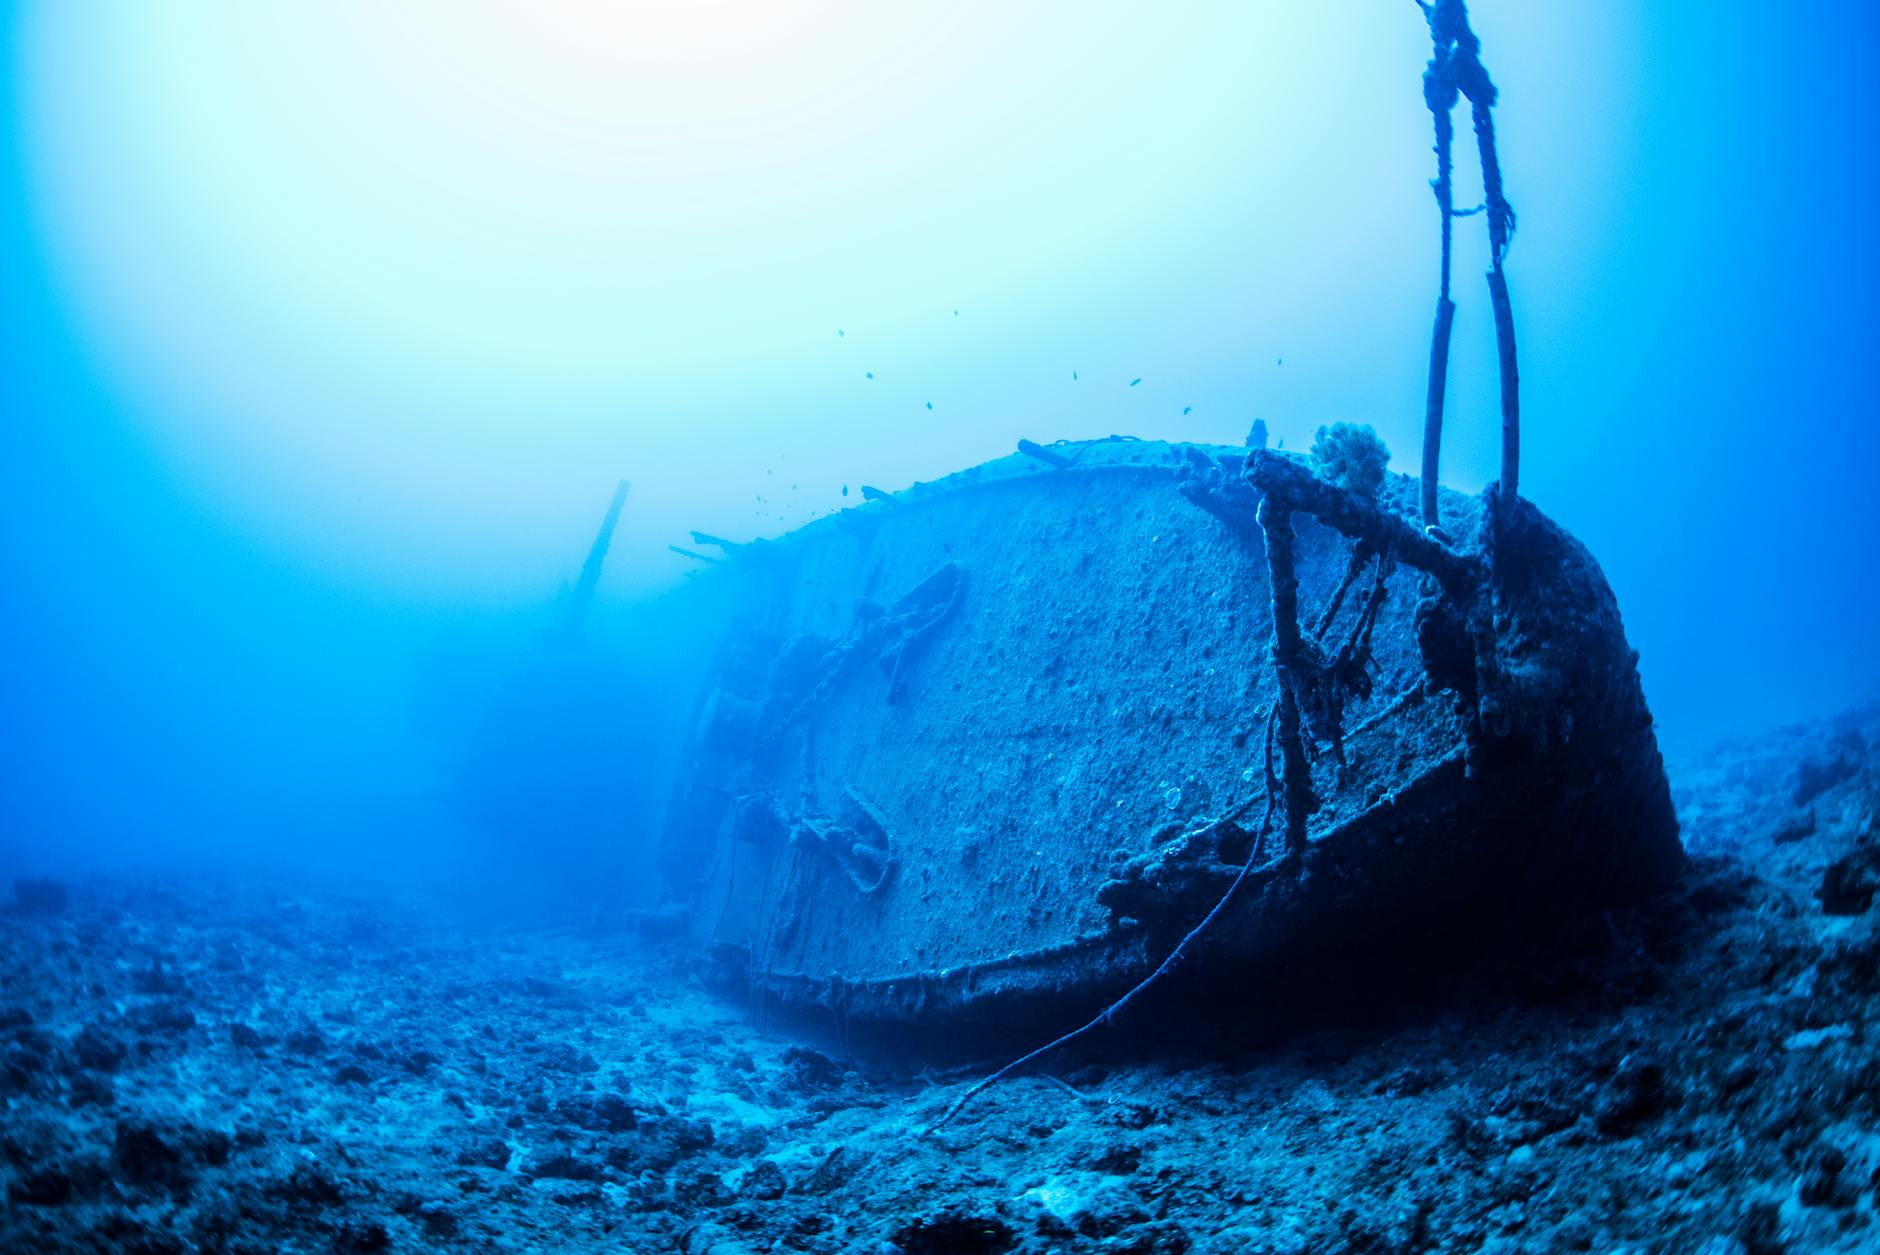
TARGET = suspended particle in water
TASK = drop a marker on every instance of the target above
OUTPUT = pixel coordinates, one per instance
(956, 313)
(1187, 408)
(845, 490)
(1135, 381)
(930, 405)
(840, 333)
(1073, 376)
(871, 374)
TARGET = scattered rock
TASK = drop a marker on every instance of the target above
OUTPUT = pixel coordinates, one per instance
(45, 1187)
(837, 1167)
(562, 1057)
(1815, 1038)
(712, 1239)
(691, 1129)
(1797, 829)
(567, 1193)
(164, 1017)
(363, 1237)
(489, 1152)
(699, 1188)
(1118, 1159)
(809, 1069)
(308, 1186)
(609, 1113)
(305, 1041)
(89, 1089)
(537, 987)
(1824, 1183)
(666, 1140)
(28, 1056)
(1849, 883)
(158, 980)
(763, 1182)
(955, 1233)
(1165, 1237)
(564, 1167)
(98, 1049)
(1760, 1230)
(1816, 776)
(1638, 1092)
(438, 1219)
(147, 1156)
(417, 1060)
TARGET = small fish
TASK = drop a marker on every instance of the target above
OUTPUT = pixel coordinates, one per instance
(845, 490)
(1187, 408)
(1073, 376)
(956, 313)
(840, 333)
(1280, 362)
(871, 374)
(930, 405)
(1135, 381)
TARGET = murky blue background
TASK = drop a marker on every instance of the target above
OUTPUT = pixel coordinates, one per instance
(327, 334)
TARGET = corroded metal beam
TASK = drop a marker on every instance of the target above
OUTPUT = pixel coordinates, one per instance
(1290, 482)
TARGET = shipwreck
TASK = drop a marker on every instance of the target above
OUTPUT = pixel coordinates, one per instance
(1036, 731)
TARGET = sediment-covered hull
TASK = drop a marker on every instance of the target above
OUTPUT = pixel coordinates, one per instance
(1009, 736)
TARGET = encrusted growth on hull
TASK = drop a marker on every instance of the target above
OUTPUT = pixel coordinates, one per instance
(1497, 742)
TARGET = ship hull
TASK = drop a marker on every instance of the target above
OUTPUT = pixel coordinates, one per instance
(1002, 741)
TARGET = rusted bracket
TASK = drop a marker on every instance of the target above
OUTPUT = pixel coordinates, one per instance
(913, 621)
(1219, 488)
(860, 848)
(1051, 457)
(1230, 511)
(1276, 523)
(1287, 487)
(716, 542)
(1280, 478)
(894, 635)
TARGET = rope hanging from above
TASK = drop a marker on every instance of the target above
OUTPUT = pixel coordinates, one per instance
(1455, 71)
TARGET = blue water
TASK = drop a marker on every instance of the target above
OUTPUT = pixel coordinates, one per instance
(313, 396)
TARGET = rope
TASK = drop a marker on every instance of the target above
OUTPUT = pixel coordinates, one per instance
(1455, 72)
(1167, 965)
(1360, 558)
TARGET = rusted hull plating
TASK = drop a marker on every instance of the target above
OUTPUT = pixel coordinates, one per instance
(1005, 738)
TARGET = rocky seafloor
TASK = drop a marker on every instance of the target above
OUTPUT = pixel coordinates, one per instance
(224, 1066)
